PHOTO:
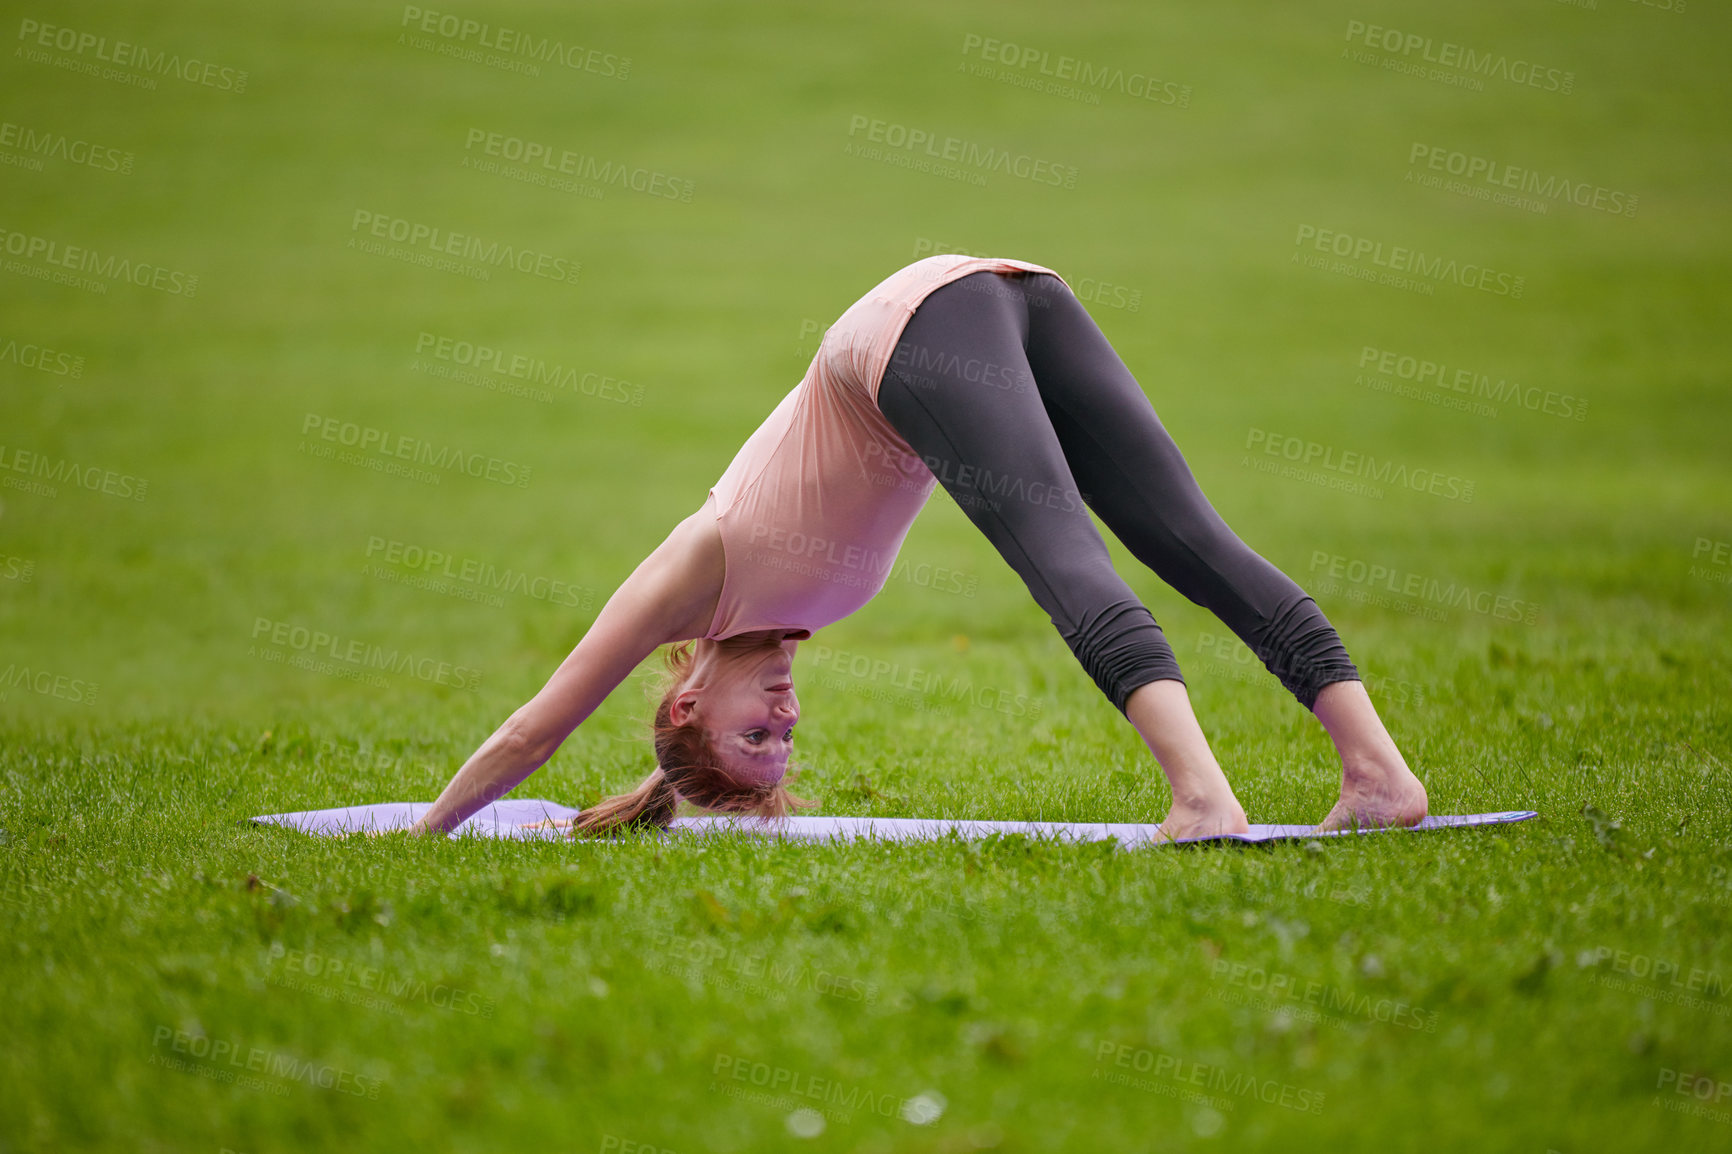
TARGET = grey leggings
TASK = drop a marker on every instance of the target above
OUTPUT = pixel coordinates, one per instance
(1011, 394)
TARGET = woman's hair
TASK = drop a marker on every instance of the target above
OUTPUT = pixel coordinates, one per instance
(686, 768)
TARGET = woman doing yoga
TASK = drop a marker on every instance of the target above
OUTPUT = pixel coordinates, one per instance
(989, 377)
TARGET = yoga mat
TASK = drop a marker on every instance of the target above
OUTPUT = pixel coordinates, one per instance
(502, 819)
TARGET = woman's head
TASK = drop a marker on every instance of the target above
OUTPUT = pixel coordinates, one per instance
(723, 732)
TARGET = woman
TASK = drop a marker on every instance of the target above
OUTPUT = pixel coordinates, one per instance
(989, 376)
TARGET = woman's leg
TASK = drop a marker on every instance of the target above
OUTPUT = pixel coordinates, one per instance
(1377, 788)
(1141, 487)
(959, 389)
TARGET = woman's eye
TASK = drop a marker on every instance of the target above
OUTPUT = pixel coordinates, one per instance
(788, 736)
(756, 736)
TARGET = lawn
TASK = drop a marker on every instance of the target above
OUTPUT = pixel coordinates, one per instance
(1435, 300)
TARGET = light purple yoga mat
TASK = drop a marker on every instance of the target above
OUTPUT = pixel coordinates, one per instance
(503, 819)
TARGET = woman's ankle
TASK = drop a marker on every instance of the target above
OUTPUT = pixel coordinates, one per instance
(1372, 767)
(1362, 742)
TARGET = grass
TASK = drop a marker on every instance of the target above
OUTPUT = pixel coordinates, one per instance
(1537, 987)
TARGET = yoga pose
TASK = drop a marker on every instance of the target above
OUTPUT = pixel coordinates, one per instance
(989, 377)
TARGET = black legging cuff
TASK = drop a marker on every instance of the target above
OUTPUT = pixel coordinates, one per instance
(1302, 649)
(1122, 648)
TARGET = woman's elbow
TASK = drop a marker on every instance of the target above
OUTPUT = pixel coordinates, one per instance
(526, 743)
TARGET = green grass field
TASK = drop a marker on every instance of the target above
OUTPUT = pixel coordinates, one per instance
(1277, 213)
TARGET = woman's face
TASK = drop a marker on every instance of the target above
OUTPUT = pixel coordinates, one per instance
(742, 690)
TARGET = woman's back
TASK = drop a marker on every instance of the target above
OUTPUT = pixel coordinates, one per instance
(815, 506)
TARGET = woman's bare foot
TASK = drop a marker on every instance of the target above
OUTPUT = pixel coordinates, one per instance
(1377, 788)
(1377, 798)
(1198, 817)
(1203, 802)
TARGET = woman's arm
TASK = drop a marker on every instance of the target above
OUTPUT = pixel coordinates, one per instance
(671, 596)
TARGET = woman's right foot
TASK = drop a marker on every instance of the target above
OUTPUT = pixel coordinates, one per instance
(1377, 797)
(1199, 818)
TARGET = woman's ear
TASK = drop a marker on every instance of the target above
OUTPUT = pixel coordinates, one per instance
(685, 705)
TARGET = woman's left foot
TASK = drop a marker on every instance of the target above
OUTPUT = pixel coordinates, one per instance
(1378, 798)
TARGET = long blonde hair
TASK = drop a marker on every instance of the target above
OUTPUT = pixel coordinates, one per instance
(686, 768)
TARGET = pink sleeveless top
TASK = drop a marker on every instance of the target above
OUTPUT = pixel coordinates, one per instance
(815, 505)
